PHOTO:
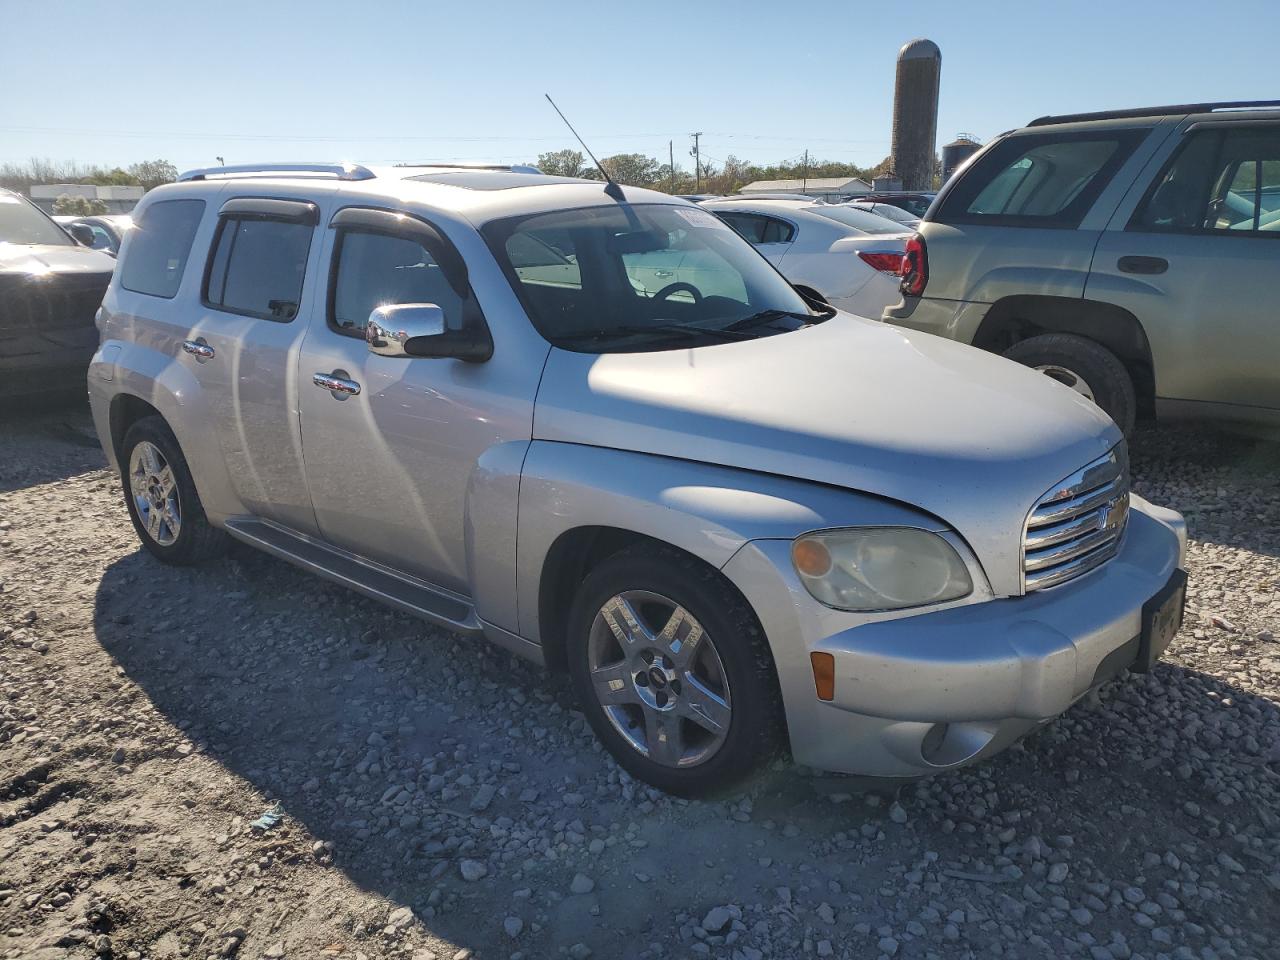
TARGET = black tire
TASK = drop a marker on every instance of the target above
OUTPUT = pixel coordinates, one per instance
(197, 540)
(756, 728)
(1106, 376)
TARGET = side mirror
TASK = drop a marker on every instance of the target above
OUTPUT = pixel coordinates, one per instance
(420, 330)
(83, 234)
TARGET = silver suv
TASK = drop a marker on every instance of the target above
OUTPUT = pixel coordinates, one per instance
(1131, 255)
(738, 521)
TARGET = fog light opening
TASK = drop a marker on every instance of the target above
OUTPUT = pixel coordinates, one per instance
(931, 745)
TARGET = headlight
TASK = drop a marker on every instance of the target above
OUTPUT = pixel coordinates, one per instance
(879, 568)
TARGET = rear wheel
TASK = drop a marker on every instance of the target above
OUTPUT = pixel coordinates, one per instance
(161, 496)
(1086, 367)
(673, 672)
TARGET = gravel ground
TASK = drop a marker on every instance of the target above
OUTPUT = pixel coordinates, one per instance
(442, 799)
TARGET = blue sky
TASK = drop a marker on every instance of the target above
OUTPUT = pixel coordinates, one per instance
(116, 82)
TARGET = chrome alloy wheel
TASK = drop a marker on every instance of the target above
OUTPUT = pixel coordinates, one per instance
(155, 493)
(659, 679)
(1068, 378)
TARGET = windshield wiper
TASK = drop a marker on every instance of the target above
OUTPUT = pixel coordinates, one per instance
(669, 329)
(768, 316)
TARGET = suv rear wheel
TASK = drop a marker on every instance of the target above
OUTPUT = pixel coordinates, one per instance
(673, 672)
(161, 496)
(1088, 368)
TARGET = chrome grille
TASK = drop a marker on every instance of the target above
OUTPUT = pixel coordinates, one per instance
(1077, 525)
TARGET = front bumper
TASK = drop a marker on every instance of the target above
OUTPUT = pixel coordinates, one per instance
(919, 693)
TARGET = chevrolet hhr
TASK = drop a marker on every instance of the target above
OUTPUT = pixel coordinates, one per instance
(742, 522)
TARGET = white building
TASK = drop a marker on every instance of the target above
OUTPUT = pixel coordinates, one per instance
(117, 199)
(821, 188)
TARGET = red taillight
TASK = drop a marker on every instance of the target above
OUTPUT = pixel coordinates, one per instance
(915, 267)
(886, 262)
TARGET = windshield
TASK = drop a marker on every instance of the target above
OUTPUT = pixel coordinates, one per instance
(862, 220)
(642, 277)
(20, 222)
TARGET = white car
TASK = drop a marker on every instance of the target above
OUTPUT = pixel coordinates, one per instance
(905, 219)
(849, 258)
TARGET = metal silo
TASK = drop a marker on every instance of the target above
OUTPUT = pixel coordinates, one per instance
(915, 113)
(957, 152)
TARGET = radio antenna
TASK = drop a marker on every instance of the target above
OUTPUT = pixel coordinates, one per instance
(612, 189)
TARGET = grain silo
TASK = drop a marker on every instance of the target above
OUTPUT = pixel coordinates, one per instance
(957, 152)
(915, 113)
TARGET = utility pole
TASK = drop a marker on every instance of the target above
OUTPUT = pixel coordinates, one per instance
(804, 173)
(697, 163)
(671, 163)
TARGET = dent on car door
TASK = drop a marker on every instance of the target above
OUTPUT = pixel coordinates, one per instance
(389, 464)
(1195, 262)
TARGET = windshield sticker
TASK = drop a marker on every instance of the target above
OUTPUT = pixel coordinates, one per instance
(700, 218)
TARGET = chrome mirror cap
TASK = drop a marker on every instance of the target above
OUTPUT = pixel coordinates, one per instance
(390, 328)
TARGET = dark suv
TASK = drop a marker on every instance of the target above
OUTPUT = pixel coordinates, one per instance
(50, 288)
(1131, 255)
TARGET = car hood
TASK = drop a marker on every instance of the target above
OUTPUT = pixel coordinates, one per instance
(43, 258)
(965, 435)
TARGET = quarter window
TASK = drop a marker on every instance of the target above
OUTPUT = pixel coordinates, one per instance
(257, 267)
(1220, 181)
(159, 246)
(375, 270)
(1038, 180)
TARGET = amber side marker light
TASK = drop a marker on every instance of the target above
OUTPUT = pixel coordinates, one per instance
(824, 674)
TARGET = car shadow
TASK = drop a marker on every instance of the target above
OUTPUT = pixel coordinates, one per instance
(327, 701)
(62, 434)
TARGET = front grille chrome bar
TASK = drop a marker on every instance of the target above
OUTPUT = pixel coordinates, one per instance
(1078, 525)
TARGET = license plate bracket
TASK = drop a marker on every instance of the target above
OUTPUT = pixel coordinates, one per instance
(1161, 620)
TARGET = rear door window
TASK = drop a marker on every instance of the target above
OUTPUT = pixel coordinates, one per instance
(1038, 180)
(159, 246)
(257, 267)
(759, 229)
(1219, 181)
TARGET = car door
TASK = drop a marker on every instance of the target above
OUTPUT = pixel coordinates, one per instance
(244, 343)
(389, 462)
(1195, 261)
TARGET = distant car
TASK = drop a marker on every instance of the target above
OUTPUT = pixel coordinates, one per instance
(50, 288)
(698, 197)
(108, 230)
(850, 258)
(914, 202)
(908, 220)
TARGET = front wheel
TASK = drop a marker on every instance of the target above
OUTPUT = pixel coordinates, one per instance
(673, 672)
(1086, 367)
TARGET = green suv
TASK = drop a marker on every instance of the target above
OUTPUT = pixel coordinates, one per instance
(1132, 255)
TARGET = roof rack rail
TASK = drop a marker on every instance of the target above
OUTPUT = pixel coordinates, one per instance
(342, 171)
(1170, 110)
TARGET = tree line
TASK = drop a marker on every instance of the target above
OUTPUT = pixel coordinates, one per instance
(636, 169)
(147, 174)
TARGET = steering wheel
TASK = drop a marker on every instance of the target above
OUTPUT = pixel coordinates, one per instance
(677, 287)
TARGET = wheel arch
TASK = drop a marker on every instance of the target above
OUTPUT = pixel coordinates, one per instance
(1016, 318)
(126, 410)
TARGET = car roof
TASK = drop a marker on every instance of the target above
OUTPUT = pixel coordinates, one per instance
(1149, 116)
(477, 195)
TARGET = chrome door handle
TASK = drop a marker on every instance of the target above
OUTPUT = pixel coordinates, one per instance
(336, 384)
(198, 349)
